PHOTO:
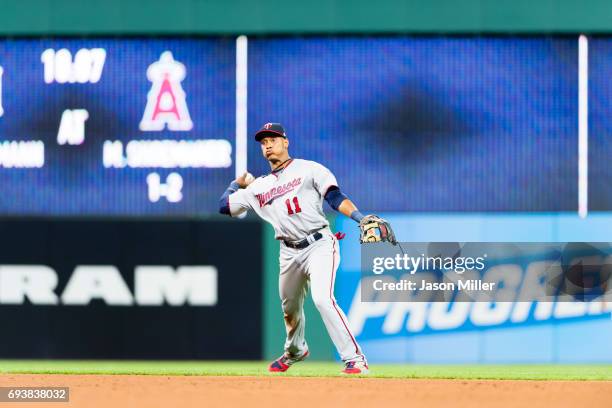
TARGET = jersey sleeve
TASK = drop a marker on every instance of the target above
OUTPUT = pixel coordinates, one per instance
(238, 202)
(323, 179)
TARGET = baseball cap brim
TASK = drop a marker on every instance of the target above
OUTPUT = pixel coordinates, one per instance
(267, 133)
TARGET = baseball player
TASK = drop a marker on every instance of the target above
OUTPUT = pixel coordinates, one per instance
(290, 198)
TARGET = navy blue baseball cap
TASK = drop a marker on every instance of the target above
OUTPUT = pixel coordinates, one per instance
(270, 129)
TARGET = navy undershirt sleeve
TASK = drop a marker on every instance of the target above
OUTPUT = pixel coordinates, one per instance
(334, 197)
(224, 200)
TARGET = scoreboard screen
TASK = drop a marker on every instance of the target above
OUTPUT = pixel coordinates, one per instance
(116, 126)
(156, 126)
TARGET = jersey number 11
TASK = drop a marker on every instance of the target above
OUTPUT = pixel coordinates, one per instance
(296, 204)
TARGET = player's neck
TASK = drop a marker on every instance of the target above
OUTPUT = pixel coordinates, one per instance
(278, 165)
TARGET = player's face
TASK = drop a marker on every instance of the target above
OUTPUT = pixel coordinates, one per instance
(275, 149)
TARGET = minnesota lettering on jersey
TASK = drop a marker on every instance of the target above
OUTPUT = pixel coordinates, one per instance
(275, 192)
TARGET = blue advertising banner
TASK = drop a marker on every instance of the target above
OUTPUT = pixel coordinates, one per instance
(512, 330)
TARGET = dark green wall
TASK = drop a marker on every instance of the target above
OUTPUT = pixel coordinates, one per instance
(56, 17)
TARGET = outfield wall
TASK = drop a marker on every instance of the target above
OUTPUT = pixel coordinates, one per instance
(99, 308)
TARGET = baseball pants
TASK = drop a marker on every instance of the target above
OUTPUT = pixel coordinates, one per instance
(314, 266)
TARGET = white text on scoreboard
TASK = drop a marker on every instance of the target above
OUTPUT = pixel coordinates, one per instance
(86, 66)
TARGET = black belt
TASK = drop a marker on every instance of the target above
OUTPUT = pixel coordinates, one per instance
(305, 242)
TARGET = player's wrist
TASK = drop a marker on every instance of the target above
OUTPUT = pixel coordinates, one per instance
(234, 185)
(357, 216)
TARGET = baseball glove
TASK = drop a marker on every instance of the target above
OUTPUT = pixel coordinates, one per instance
(375, 229)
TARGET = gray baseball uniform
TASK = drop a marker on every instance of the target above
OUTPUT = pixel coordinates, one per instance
(292, 202)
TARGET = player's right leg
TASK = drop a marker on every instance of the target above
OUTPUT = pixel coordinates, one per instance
(292, 285)
(323, 260)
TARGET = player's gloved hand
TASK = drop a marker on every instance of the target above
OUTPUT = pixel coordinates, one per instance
(244, 180)
(375, 229)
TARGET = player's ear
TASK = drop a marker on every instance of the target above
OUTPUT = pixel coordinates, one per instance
(286, 143)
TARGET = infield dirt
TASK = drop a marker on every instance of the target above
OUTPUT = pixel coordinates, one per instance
(116, 391)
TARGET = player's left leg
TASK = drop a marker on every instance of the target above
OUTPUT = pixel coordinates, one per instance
(292, 285)
(322, 264)
(292, 290)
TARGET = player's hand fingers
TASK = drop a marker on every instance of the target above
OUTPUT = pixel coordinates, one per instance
(244, 180)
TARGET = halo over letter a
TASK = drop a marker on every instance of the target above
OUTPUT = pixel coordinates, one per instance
(166, 104)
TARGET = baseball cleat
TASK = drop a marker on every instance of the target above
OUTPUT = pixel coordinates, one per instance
(355, 367)
(282, 364)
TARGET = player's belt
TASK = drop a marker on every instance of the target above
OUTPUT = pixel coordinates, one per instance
(305, 242)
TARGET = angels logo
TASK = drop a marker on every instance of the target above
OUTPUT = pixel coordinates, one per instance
(166, 104)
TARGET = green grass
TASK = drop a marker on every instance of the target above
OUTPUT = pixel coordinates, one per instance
(309, 369)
